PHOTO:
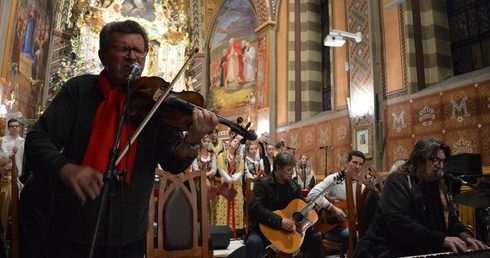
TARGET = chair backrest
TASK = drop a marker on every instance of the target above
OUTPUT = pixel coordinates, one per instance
(249, 187)
(178, 216)
(366, 207)
(373, 186)
(5, 205)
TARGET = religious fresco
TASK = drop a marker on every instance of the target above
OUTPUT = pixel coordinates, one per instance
(28, 48)
(1, 7)
(233, 57)
(166, 28)
(143, 9)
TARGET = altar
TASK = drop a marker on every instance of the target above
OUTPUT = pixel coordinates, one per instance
(165, 22)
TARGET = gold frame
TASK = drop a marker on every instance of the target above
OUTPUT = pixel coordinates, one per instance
(6, 53)
(363, 140)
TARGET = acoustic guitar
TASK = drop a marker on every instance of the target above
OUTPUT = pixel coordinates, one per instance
(303, 217)
(328, 221)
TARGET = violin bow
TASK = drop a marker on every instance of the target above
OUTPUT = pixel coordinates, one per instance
(155, 107)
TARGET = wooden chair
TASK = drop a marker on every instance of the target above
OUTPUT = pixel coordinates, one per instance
(361, 211)
(249, 184)
(5, 205)
(179, 217)
(373, 183)
(9, 198)
(323, 226)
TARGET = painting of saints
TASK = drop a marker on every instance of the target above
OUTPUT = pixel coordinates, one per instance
(235, 63)
(27, 43)
(249, 62)
(223, 69)
(234, 26)
(142, 8)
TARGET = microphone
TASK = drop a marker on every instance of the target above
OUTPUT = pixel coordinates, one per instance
(134, 71)
(292, 148)
(324, 147)
(441, 174)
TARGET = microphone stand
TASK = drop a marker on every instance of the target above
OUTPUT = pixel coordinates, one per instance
(326, 158)
(109, 179)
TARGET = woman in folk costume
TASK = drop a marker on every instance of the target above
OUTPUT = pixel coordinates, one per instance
(206, 161)
(230, 167)
(305, 175)
(252, 161)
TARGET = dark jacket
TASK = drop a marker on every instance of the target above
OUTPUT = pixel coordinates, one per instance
(399, 226)
(264, 202)
(61, 136)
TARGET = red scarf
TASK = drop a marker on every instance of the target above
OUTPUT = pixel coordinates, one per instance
(104, 130)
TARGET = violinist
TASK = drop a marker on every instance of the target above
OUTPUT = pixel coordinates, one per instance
(67, 151)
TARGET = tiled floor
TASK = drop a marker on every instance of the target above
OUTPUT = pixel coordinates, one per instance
(237, 243)
(234, 244)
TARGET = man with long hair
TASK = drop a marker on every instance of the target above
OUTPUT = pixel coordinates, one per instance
(415, 214)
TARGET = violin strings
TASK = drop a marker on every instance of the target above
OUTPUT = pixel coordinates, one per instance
(179, 102)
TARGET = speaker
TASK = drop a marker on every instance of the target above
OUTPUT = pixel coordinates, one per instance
(238, 253)
(467, 165)
(220, 236)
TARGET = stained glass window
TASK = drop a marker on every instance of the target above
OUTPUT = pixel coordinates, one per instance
(469, 29)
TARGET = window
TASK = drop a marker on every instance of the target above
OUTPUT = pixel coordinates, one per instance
(326, 70)
(469, 32)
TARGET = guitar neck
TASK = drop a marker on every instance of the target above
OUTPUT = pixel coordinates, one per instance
(311, 203)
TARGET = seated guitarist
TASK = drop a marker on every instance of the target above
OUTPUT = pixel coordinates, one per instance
(271, 193)
(355, 161)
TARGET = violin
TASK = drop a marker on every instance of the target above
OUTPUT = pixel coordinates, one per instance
(148, 95)
(176, 108)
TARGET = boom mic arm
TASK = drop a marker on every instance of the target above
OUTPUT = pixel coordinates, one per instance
(451, 177)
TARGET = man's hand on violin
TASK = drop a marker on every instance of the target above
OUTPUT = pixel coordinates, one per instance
(203, 122)
(85, 182)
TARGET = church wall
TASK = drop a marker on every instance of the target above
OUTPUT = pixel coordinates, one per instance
(452, 109)
(456, 110)
(340, 77)
(460, 116)
(393, 40)
(282, 63)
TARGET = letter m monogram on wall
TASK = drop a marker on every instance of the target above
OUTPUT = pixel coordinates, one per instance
(294, 140)
(398, 121)
(342, 160)
(461, 106)
(323, 136)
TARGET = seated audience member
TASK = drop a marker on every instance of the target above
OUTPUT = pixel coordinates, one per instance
(397, 165)
(281, 147)
(355, 161)
(12, 139)
(271, 193)
(414, 215)
(305, 174)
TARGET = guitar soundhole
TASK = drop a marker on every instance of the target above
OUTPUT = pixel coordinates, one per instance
(297, 217)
